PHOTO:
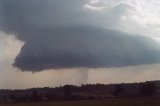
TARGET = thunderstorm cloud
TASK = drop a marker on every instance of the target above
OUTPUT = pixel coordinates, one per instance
(68, 34)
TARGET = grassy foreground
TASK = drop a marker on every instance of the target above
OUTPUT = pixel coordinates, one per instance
(104, 102)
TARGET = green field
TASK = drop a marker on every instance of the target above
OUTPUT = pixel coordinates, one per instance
(104, 102)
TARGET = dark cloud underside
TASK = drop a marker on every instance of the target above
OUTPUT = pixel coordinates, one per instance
(85, 47)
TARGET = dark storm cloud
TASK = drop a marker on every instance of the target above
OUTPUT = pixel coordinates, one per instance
(85, 47)
(59, 34)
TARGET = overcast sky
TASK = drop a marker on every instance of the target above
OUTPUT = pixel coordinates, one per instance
(57, 42)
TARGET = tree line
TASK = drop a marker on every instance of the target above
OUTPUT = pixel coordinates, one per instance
(88, 91)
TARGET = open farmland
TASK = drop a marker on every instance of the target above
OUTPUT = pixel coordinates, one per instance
(102, 102)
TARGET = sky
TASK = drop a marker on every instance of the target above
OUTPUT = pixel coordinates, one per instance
(48, 43)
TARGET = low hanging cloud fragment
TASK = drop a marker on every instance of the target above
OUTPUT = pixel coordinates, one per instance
(61, 34)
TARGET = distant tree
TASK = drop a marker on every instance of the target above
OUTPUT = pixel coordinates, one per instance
(35, 97)
(50, 96)
(27, 98)
(4, 98)
(118, 90)
(147, 89)
(67, 91)
(12, 97)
